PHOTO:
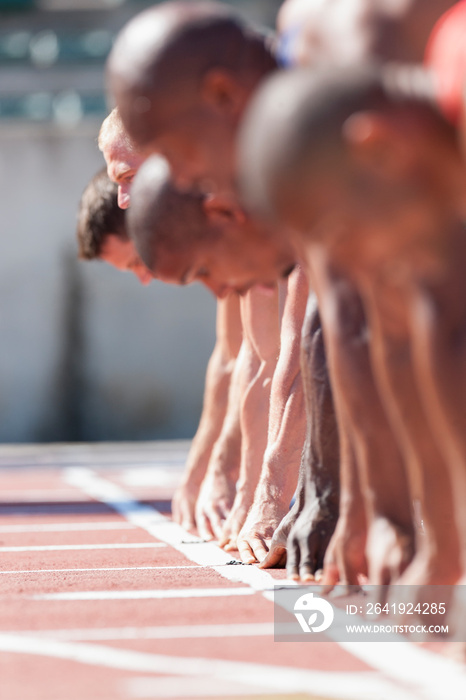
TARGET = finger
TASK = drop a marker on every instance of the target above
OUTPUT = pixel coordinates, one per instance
(189, 525)
(216, 524)
(204, 529)
(231, 546)
(330, 577)
(292, 563)
(176, 515)
(306, 574)
(306, 564)
(225, 536)
(349, 572)
(276, 558)
(224, 509)
(259, 547)
(245, 552)
(230, 536)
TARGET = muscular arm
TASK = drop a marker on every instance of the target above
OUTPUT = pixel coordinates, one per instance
(373, 460)
(219, 485)
(310, 534)
(259, 311)
(286, 431)
(217, 384)
(437, 556)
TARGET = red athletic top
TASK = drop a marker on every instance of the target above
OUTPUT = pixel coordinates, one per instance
(446, 57)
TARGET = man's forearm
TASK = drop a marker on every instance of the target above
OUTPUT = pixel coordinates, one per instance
(218, 378)
(287, 418)
(217, 387)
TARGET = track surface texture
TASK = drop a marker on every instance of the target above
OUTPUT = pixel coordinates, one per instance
(103, 597)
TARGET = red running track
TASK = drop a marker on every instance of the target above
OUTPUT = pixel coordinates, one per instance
(102, 597)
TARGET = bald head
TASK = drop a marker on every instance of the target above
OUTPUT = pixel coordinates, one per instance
(184, 237)
(121, 155)
(112, 130)
(161, 217)
(186, 70)
(296, 136)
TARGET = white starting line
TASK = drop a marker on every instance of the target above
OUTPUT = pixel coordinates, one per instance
(156, 524)
(214, 672)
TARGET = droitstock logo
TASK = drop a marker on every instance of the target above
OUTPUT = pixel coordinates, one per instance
(313, 607)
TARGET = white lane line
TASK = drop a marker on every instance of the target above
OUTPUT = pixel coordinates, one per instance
(149, 519)
(428, 674)
(97, 570)
(258, 629)
(148, 477)
(67, 527)
(74, 547)
(431, 675)
(281, 679)
(158, 594)
(176, 687)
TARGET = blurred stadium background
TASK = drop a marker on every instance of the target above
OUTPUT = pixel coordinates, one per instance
(86, 353)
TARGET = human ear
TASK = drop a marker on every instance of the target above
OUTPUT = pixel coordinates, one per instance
(221, 209)
(221, 91)
(375, 144)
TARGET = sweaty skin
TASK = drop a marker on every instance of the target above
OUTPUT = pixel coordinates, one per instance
(286, 432)
(217, 385)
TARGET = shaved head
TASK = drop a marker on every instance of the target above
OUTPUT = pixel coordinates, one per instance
(121, 155)
(165, 51)
(161, 216)
(181, 74)
(184, 237)
(294, 135)
(112, 130)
